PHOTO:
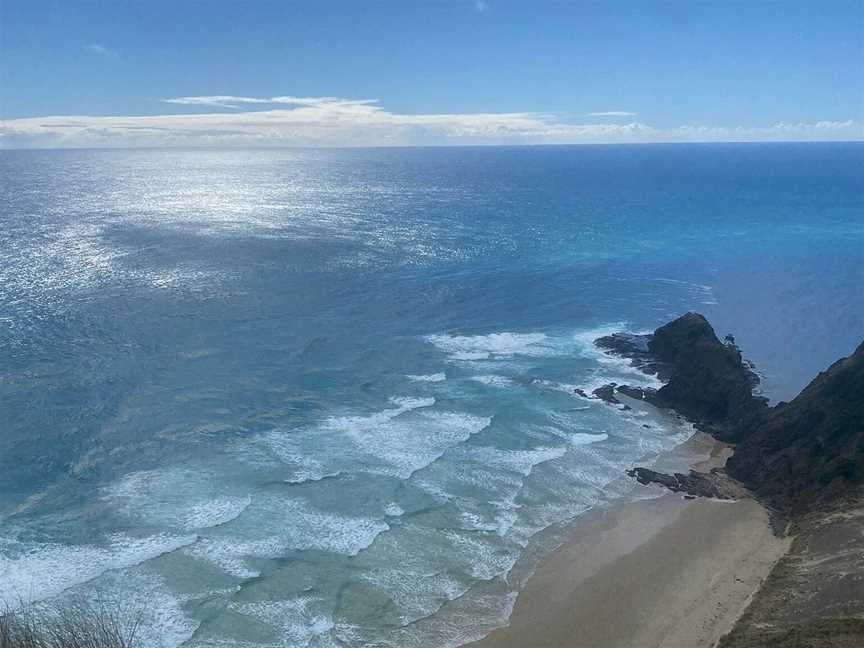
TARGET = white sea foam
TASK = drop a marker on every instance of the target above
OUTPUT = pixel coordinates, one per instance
(392, 509)
(494, 345)
(486, 612)
(407, 403)
(483, 556)
(146, 600)
(623, 369)
(416, 593)
(291, 524)
(580, 438)
(179, 498)
(301, 527)
(298, 620)
(311, 528)
(518, 461)
(397, 441)
(214, 512)
(585, 337)
(41, 571)
(309, 475)
(704, 293)
(407, 446)
(494, 380)
(566, 388)
(494, 477)
(231, 554)
(325, 450)
(612, 368)
(434, 378)
(359, 424)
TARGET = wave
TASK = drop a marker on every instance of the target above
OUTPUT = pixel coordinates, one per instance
(581, 438)
(396, 442)
(436, 377)
(406, 447)
(177, 498)
(230, 554)
(311, 476)
(521, 462)
(215, 512)
(493, 345)
(704, 293)
(290, 524)
(41, 571)
(299, 621)
(494, 380)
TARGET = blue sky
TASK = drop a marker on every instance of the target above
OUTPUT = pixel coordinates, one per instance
(682, 70)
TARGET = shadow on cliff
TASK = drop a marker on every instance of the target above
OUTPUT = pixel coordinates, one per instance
(793, 456)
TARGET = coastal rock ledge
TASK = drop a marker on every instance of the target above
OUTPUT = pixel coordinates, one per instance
(803, 459)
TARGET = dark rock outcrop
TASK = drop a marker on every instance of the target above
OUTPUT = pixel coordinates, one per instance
(810, 450)
(635, 348)
(606, 393)
(706, 380)
(794, 455)
(639, 393)
(714, 484)
(709, 382)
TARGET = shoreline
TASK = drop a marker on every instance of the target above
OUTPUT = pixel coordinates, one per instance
(667, 571)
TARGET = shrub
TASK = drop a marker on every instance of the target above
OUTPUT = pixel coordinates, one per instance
(71, 625)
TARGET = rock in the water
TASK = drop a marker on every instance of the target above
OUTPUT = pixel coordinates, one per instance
(635, 348)
(606, 393)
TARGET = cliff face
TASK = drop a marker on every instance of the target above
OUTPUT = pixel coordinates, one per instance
(812, 449)
(793, 455)
(708, 380)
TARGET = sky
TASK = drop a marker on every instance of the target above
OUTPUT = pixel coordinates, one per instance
(76, 73)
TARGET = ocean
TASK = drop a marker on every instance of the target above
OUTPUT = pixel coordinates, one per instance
(321, 398)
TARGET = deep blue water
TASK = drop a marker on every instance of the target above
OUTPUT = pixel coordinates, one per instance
(325, 397)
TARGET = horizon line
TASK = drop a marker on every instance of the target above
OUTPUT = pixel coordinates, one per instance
(310, 147)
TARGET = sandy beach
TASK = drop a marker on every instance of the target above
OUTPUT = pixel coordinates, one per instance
(667, 572)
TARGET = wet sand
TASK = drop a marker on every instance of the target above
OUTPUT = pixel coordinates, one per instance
(667, 572)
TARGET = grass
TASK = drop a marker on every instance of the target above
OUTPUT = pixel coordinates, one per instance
(72, 625)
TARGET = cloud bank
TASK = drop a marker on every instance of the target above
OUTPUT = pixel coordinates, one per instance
(332, 121)
(611, 113)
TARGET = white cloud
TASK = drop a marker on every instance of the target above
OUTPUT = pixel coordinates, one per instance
(220, 101)
(231, 101)
(331, 121)
(611, 113)
(101, 50)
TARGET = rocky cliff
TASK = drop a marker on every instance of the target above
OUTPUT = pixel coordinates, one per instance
(809, 451)
(794, 455)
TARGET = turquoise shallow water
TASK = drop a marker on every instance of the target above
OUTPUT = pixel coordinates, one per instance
(325, 398)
